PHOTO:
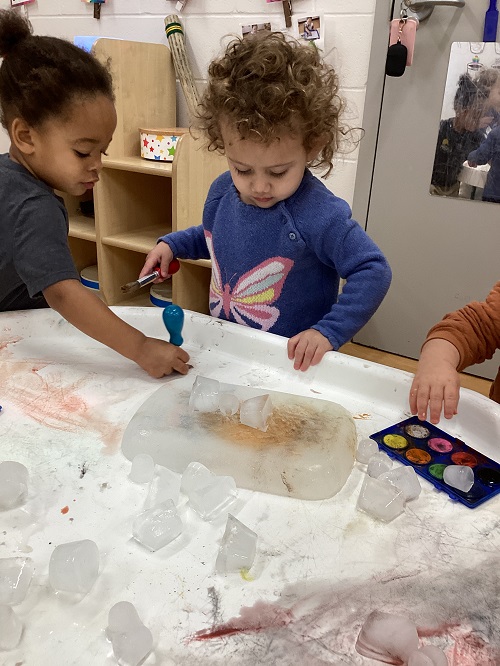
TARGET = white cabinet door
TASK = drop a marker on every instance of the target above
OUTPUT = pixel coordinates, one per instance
(444, 252)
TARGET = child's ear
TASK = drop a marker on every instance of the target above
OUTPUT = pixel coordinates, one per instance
(315, 148)
(21, 135)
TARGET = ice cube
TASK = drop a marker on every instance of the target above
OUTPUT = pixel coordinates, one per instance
(143, 468)
(13, 484)
(431, 653)
(459, 476)
(195, 475)
(380, 499)
(156, 527)
(366, 449)
(204, 395)
(164, 486)
(417, 658)
(237, 550)
(15, 578)
(213, 497)
(122, 617)
(74, 566)
(387, 637)
(378, 464)
(255, 412)
(228, 404)
(131, 640)
(11, 628)
(405, 479)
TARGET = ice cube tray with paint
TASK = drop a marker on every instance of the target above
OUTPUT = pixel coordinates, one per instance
(429, 450)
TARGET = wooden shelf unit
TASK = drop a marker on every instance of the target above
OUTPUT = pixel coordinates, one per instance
(138, 200)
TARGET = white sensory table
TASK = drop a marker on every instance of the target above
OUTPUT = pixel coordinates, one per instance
(321, 566)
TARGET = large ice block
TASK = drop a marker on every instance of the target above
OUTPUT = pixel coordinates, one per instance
(307, 451)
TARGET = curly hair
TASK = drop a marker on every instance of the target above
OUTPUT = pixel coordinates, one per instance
(41, 76)
(268, 83)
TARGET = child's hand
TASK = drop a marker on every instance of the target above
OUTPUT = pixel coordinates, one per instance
(437, 383)
(159, 358)
(307, 348)
(161, 255)
(472, 164)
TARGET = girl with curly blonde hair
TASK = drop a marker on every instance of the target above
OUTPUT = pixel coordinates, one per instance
(278, 239)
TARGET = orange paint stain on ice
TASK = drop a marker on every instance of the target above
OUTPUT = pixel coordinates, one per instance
(54, 403)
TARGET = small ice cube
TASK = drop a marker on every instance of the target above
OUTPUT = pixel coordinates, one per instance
(459, 476)
(15, 578)
(143, 468)
(122, 617)
(237, 549)
(405, 479)
(131, 640)
(13, 484)
(213, 497)
(429, 655)
(228, 404)
(387, 637)
(417, 658)
(195, 475)
(204, 395)
(11, 628)
(366, 449)
(164, 486)
(156, 527)
(74, 566)
(380, 499)
(378, 464)
(255, 412)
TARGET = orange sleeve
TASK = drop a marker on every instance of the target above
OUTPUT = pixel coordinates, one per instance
(474, 329)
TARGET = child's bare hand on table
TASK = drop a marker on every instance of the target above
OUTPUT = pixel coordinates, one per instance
(161, 255)
(307, 348)
(159, 358)
(436, 384)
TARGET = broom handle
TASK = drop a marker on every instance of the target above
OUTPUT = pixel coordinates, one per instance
(175, 37)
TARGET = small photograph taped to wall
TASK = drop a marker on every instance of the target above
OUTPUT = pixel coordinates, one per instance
(255, 28)
(309, 27)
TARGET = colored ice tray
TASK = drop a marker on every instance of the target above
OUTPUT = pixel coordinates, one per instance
(430, 450)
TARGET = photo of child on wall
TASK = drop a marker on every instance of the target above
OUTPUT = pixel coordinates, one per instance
(255, 28)
(309, 27)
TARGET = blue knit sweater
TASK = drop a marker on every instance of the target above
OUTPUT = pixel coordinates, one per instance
(278, 269)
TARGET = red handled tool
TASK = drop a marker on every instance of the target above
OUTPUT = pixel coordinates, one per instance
(147, 279)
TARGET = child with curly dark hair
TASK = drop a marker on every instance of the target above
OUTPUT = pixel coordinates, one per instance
(57, 104)
(278, 239)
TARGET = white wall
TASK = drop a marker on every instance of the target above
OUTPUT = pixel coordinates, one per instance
(347, 29)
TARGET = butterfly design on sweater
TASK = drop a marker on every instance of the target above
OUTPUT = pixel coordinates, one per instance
(252, 297)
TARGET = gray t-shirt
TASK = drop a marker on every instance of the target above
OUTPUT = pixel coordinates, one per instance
(34, 251)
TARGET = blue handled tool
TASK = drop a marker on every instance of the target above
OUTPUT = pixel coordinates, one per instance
(173, 318)
(491, 23)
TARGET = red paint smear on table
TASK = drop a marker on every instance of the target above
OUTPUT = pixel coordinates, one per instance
(468, 648)
(52, 402)
(65, 509)
(256, 618)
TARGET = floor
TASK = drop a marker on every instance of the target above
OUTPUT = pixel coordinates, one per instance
(402, 363)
